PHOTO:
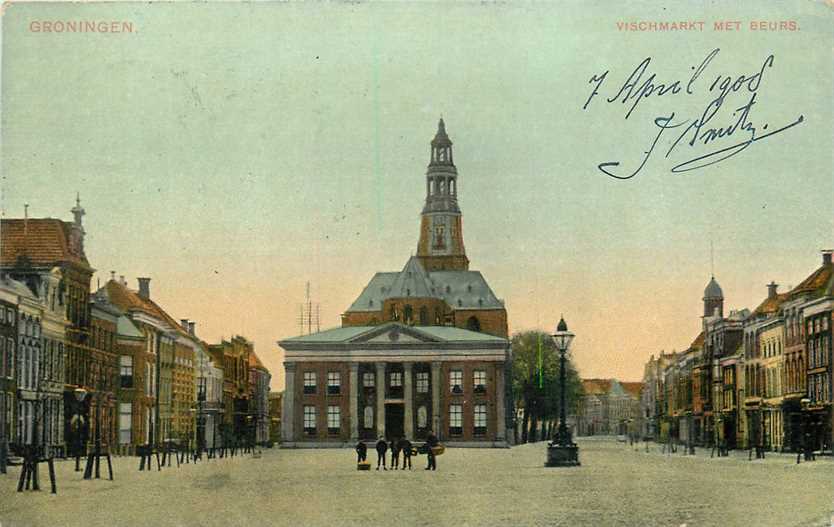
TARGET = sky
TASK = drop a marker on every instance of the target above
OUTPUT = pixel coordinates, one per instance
(234, 152)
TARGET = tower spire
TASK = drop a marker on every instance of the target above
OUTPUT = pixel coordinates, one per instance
(441, 236)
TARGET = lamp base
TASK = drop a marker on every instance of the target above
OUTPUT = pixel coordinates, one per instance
(562, 456)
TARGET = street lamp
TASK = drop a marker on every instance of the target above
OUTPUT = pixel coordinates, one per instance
(562, 452)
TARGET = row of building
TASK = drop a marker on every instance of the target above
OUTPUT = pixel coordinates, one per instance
(751, 379)
(77, 364)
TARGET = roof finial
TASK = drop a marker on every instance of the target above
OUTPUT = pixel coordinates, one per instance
(77, 199)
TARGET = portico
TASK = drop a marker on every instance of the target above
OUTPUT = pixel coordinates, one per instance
(394, 380)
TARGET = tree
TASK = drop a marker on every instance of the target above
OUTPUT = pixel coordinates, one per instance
(536, 383)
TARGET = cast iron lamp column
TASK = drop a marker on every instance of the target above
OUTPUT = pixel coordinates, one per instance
(562, 452)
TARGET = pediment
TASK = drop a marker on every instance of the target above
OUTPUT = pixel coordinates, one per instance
(394, 334)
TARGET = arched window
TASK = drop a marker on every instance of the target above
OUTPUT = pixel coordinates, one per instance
(394, 315)
(424, 316)
(473, 324)
(422, 417)
(438, 318)
(369, 417)
(408, 314)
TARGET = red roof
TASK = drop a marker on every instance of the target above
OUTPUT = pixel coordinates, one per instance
(771, 305)
(127, 299)
(43, 241)
(818, 281)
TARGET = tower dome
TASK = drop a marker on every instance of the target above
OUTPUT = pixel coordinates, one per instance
(713, 299)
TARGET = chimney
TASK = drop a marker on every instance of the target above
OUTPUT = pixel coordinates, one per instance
(184, 323)
(145, 288)
(191, 328)
(771, 289)
(122, 280)
(826, 257)
(112, 276)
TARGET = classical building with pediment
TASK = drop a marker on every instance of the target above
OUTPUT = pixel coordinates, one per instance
(423, 349)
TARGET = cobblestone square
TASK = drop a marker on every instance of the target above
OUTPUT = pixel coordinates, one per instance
(615, 486)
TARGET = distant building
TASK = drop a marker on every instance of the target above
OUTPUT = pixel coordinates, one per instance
(259, 379)
(608, 407)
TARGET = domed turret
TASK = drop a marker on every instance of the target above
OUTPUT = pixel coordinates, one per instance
(713, 299)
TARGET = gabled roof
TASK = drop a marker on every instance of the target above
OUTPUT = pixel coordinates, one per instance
(42, 241)
(817, 283)
(770, 306)
(459, 289)
(127, 299)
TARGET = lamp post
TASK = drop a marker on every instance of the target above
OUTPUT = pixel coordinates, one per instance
(562, 452)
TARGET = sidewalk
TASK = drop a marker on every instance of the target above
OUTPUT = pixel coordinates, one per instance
(656, 449)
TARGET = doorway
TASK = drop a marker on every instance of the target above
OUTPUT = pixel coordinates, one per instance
(394, 420)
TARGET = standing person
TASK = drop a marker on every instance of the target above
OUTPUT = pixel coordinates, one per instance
(361, 452)
(405, 447)
(431, 442)
(381, 450)
(395, 454)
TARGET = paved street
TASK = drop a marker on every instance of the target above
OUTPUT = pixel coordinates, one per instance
(614, 486)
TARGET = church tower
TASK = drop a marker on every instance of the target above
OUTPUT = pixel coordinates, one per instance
(441, 234)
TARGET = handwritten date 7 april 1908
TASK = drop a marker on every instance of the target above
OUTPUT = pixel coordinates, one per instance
(642, 84)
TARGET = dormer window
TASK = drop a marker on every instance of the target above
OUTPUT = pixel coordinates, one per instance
(468, 288)
(448, 289)
(460, 302)
(371, 302)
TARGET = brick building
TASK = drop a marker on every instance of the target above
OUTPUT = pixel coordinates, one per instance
(419, 349)
(30, 249)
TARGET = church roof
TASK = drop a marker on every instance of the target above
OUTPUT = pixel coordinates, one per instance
(460, 289)
(43, 241)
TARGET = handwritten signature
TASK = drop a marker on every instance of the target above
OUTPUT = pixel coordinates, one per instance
(701, 130)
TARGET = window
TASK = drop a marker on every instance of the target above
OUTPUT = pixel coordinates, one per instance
(368, 379)
(309, 382)
(334, 381)
(126, 371)
(423, 382)
(125, 420)
(456, 381)
(369, 417)
(455, 419)
(334, 419)
(422, 417)
(310, 420)
(479, 381)
(9, 358)
(396, 379)
(480, 419)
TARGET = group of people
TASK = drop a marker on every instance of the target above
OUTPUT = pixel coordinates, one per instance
(398, 446)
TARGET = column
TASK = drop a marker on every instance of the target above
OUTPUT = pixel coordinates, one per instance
(287, 417)
(500, 421)
(408, 415)
(435, 398)
(354, 401)
(380, 399)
